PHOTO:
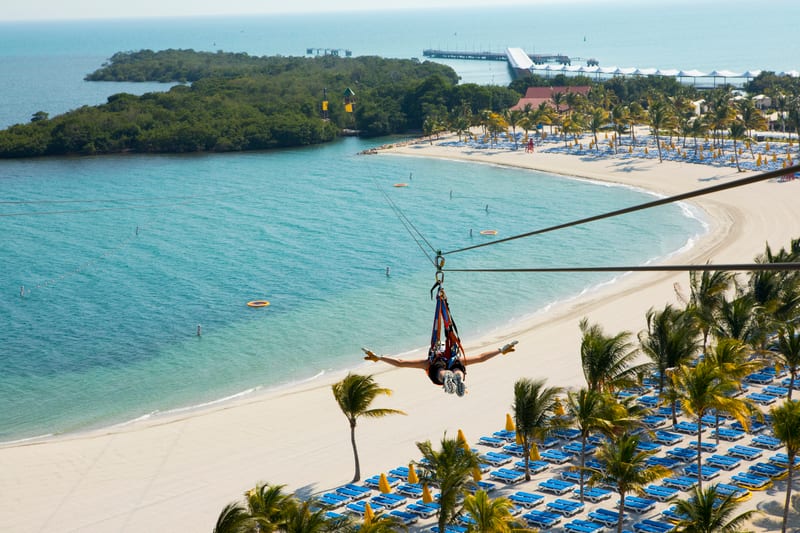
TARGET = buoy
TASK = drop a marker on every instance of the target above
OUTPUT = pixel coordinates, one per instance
(489, 232)
(258, 303)
(401, 184)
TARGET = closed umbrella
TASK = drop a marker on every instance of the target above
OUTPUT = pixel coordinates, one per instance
(463, 440)
(426, 494)
(510, 423)
(369, 514)
(383, 484)
(535, 452)
(476, 474)
(412, 474)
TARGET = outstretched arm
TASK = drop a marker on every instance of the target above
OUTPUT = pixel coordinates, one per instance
(485, 356)
(401, 363)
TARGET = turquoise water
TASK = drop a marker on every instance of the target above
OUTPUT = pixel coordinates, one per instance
(106, 329)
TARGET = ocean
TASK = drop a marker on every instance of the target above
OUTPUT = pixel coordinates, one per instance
(108, 265)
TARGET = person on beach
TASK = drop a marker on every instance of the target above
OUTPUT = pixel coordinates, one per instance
(449, 372)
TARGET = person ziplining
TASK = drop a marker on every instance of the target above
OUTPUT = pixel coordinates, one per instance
(446, 364)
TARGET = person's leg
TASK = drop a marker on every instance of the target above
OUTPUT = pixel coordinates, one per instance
(458, 378)
(448, 381)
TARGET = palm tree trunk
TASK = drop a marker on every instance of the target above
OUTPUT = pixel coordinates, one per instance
(699, 452)
(791, 383)
(736, 156)
(526, 449)
(357, 476)
(621, 510)
(583, 462)
(788, 493)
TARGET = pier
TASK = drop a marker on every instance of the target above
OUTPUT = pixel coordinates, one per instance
(538, 59)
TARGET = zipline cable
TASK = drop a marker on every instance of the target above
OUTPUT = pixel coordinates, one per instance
(662, 201)
(409, 226)
(742, 267)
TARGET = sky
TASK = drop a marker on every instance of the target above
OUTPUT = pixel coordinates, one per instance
(93, 9)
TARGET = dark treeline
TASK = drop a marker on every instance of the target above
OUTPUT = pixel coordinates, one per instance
(238, 102)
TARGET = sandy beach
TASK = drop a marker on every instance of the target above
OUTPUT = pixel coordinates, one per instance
(177, 473)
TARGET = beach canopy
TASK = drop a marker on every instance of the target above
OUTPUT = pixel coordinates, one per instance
(383, 484)
(667, 72)
(724, 74)
(692, 73)
(751, 73)
(510, 423)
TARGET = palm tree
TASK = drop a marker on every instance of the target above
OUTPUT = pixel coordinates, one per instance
(661, 118)
(638, 115)
(626, 468)
(589, 411)
(736, 319)
(786, 427)
(670, 341)
(702, 389)
(607, 361)
(488, 515)
(451, 469)
(597, 119)
(265, 506)
(787, 350)
(752, 118)
(306, 517)
(707, 290)
(533, 405)
(355, 394)
(707, 511)
(730, 357)
(737, 132)
(513, 118)
(233, 519)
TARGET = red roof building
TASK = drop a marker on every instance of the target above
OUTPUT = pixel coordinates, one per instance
(536, 95)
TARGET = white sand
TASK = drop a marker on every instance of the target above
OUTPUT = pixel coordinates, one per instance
(176, 474)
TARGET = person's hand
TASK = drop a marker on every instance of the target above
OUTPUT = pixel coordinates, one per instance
(508, 347)
(370, 355)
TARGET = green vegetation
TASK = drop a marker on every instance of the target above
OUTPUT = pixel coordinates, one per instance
(237, 102)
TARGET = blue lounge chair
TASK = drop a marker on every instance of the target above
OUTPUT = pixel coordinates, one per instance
(671, 514)
(575, 448)
(514, 449)
(535, 467)
(331, 515)
(662, 494)
(762, 399)
(389, 501)
(724, 461)
(555, 456)
(781, 459)
(400, 472)
(666, 410)
(788, 381)
(682, 454)
(567, 433)
(752, 481)
(638, 505)
(333, 500)
(707, 447)
(736, 493)
(582, 526)
(709, 420)
(413, 490)
(575, 475)
(667, 437)
(450, 528)
(485, 486)
(706, 472)
(654, 421)
(728, 434)
(507, 476)
(556, 486)
(549, 442)
(496, 459)
(494, 442)
(565, 507)
(593, 494)
(766, 441)
(374, 481)
(666, 462)
(683, 483)
(648, 401)
(754, 426)
(606, 517)
(760, 378)
(352, 493)
(652, 526)
(542, 519)
(747, 453)
(526, 499)
(359, 507)
(423, 510)
(645, 446)
(774, 390)
(405, 517)
(689, 428)
(768, 469)
(506, 435)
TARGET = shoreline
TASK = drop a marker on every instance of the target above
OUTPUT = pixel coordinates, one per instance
(178, 472)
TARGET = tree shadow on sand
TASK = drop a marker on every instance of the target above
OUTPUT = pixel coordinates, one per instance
(770, 514)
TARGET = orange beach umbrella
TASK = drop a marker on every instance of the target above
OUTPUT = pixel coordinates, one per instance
(510, 423)
(413, 478)
(369, 514)
(426, 494)
(383, 484)
(463, 440)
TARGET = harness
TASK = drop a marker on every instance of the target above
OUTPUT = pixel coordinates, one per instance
(445, 343)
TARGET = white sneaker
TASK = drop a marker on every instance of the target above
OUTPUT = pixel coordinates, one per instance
(449, 382)
(461, 388)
